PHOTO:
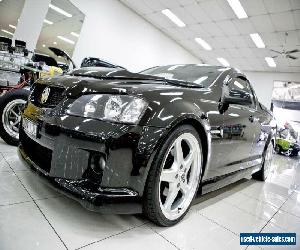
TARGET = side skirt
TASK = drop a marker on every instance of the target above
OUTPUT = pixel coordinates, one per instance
(224, 180)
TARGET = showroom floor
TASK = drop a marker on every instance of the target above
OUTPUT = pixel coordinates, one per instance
(32, 216)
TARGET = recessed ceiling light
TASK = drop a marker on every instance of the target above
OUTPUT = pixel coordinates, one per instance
(74, 34)
(223, 61)
(237, 8)
(12, 26)
(54, 43)
(7, 32)
(44, 45)
(59, 10)
(257, 40)
(66, 39)
(270, 61)
(173, 17)
(203, 43)
(48, 22)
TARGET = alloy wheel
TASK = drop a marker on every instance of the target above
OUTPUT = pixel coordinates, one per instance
(180, 176)
(11, 117)
(288, 152)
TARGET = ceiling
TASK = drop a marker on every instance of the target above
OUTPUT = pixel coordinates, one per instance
(10, 11)
(212, 20)
(215, 22)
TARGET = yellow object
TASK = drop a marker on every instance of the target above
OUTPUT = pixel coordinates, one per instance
(52, 71)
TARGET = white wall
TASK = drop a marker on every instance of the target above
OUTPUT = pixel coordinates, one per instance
(263, 83)
(115, 33)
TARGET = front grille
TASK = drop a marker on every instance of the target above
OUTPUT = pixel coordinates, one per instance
(40, 155)
(56, 95)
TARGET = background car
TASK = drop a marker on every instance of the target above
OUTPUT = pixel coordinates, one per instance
(19, 76)
(286, 141)
(19, 68)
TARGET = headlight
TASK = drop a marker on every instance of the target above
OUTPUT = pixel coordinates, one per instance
(115, 108)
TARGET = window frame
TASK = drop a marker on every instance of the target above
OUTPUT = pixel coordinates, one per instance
(249, 89)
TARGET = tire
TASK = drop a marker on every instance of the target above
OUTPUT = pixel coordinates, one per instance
(12, 100)
(158, 193)
(263, 173)
(288, 152)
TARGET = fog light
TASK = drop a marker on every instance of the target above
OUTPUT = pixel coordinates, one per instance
(97, 163)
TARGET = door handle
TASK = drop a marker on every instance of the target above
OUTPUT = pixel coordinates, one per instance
(253, 118)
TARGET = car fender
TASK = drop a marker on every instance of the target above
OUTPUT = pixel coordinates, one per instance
(175, 115)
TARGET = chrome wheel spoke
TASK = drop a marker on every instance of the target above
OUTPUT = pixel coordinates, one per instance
(187, 162)
(178, 155)
(172, 194)
(16, 122)
(168, 175)
(184, 188)
(14, 113)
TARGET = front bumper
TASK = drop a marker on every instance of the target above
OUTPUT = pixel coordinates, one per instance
(61, 154)
(88, 194)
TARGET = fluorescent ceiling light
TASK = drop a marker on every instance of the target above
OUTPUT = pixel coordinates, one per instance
(7, 32)
(74, 34)
(236, 83)
(173, 17)
(270, 61)
(48, 22)
(54, 43)
(237, 8)
(204, 44)
(12, 26)
(59, 10)
(66, 39)
(44, 45)
(223, 61)
(257, 40)
(201, 79)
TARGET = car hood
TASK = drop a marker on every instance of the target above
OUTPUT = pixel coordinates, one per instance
(110, 81)
(111, 73)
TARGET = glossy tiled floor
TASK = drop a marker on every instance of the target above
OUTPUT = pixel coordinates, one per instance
(33, 216)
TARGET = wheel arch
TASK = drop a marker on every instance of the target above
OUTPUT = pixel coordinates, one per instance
(199, 125)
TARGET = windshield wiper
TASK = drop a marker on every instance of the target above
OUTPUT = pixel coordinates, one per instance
(183, 83)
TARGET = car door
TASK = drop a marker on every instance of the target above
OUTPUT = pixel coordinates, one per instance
(238, 132)
(263, 129)
(241, 127)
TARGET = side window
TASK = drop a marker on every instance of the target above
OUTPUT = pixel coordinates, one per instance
(240, 88)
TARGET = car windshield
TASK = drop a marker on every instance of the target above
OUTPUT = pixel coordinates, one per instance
(197, 74)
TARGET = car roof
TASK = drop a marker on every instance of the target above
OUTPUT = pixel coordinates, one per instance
(216, 67)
